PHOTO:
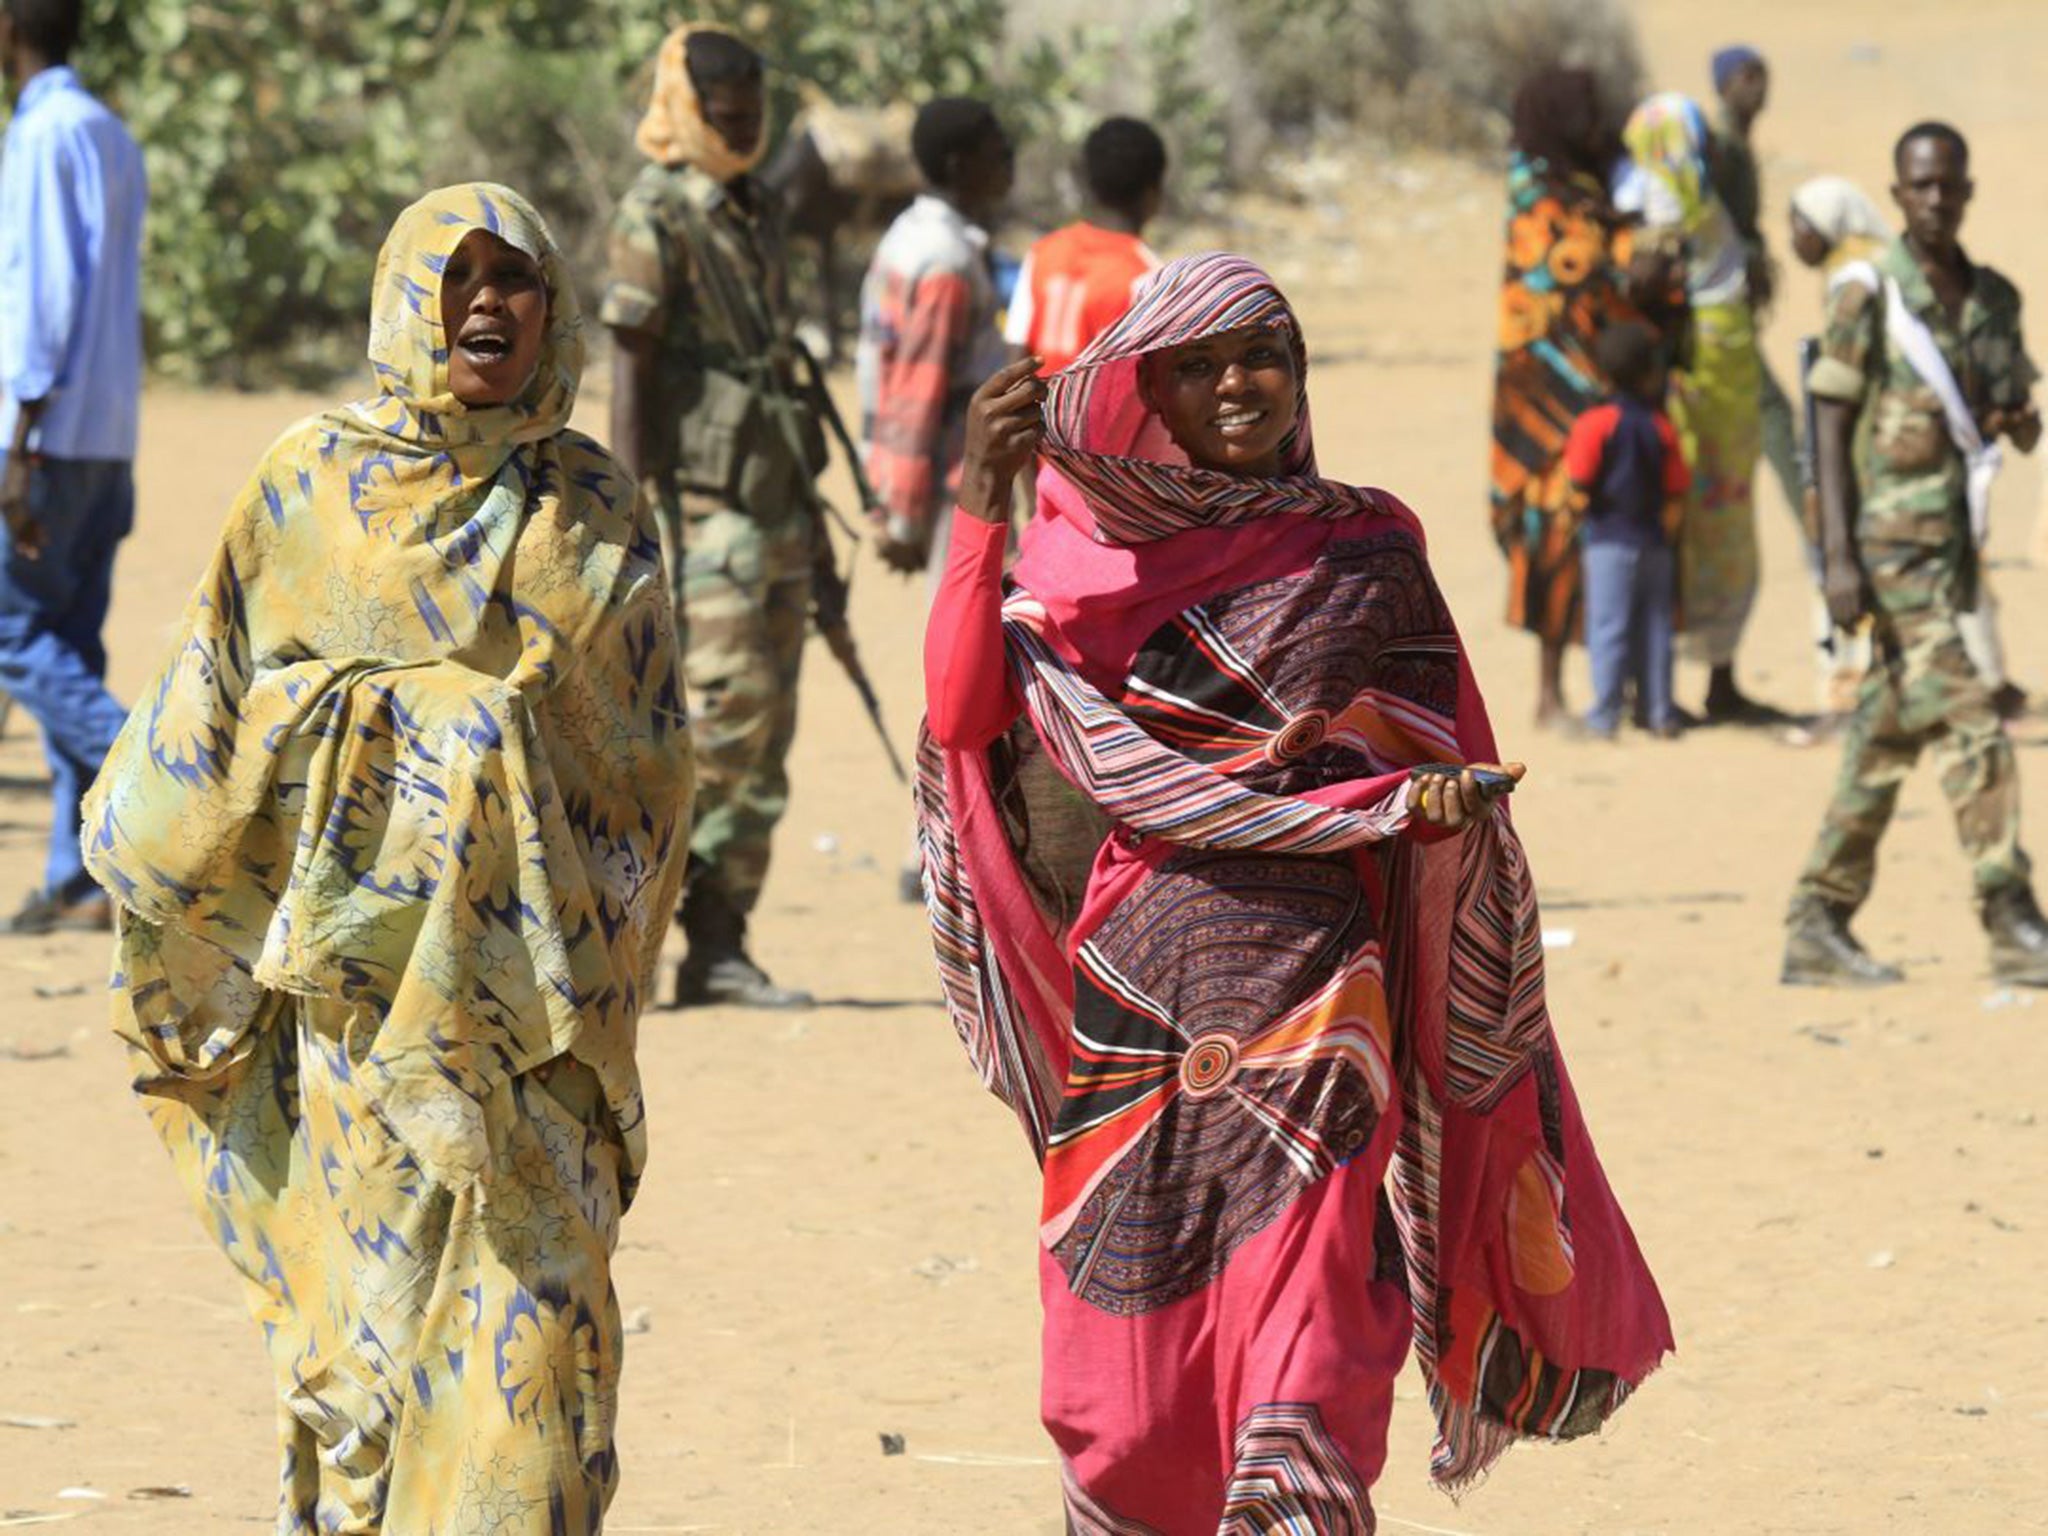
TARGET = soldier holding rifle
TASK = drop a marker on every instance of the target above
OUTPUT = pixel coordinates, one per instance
(718, 415)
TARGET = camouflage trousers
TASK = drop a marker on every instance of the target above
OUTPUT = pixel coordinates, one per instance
(742, 590)
(1922, 692)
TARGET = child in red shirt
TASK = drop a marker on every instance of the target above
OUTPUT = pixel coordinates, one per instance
(1078, 280)
(1625, 456)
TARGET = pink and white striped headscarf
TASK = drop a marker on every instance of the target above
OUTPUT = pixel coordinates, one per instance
(1137, 482)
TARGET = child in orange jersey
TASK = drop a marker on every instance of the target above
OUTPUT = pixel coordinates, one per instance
(1078, 280)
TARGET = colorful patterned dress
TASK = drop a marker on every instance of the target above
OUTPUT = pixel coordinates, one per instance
(1562, 284)
(1287, 1066)
(395, 836)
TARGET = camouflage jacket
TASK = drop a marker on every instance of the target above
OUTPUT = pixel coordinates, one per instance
(1912, 479)
(707, 277)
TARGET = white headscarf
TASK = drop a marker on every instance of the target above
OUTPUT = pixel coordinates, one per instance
(1839, 210)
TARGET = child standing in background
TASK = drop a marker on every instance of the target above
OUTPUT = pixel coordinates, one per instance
(1078, 280)
(928, 332)
(1624, 455)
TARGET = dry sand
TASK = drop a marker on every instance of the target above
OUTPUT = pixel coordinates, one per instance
(1841, 1194)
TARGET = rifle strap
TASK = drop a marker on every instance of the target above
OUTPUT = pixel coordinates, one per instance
(731, 306)
(776, 401)
(743, 313)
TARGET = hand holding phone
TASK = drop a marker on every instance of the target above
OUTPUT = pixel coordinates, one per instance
(1450, 795)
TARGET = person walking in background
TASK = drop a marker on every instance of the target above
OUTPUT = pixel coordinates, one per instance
(928, 338)
(928, 332)
(1288, 1069)
(396, 837)
(1076, 281)
(707, 419)
(1716, 392)
(1742, 82)
(72, 200)
(1625, 458)
(1922, 368)
(1564, 280)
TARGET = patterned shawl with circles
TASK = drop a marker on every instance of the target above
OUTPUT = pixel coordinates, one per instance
(1534, 1314)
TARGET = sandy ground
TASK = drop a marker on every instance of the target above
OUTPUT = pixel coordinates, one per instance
(1840, 1193)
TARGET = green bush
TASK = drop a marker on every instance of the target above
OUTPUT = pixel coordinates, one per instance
(276, 137)
(283, 136)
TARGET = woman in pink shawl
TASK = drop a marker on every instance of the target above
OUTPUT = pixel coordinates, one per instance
(1282, 1048)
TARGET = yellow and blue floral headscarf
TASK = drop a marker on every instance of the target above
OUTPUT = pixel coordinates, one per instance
(409, 346)
(420, 746)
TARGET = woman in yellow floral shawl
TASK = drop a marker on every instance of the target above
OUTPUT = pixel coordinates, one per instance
(395, 840)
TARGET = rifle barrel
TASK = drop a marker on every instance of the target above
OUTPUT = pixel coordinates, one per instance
(1809, 445)
(839, 640)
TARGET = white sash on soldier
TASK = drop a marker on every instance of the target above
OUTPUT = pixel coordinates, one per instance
(1922, 352)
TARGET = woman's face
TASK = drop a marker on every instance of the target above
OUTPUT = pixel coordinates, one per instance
(494, 310)
(1808, 243)
(1228, 400)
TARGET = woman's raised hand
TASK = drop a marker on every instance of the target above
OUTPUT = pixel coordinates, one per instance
(1453, 801)
(1005, 422)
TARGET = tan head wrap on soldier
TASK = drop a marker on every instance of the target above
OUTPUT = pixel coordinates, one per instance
(673, 131)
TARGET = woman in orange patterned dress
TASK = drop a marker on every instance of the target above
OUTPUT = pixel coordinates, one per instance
(1566, 254)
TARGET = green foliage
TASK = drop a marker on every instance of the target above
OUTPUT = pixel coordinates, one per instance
(1313, 60)
(283, 136)
(1059, 85)
(275, 138)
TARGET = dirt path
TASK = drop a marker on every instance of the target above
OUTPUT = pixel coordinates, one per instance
(1841, 1195)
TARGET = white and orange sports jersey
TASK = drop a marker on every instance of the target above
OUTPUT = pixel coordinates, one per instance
(1074, 284)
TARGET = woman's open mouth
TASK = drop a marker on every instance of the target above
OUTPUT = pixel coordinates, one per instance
(485, 347)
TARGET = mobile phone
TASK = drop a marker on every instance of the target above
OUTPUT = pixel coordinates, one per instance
(1491, 782)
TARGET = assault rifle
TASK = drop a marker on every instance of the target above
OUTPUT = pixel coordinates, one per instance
(830, 588)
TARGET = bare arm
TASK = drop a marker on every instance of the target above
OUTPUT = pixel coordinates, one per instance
(632, 389)
(25, 421)
(21, 527)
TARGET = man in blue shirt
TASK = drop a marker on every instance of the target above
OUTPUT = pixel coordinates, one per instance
(72, 195)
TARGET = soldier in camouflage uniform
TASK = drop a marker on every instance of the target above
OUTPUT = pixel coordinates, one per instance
(1899, 549)
(706, 415)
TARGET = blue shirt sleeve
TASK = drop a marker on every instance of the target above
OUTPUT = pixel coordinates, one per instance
(48, 242)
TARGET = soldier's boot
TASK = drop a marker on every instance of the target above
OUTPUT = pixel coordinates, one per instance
(1820, 951)
(2019, 936)
(717, 968)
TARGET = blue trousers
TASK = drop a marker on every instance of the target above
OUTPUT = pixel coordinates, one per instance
(51, 657)
(1629, 596)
